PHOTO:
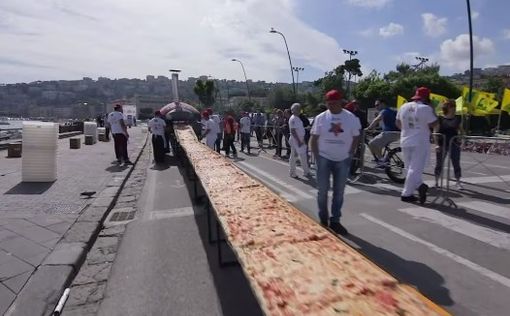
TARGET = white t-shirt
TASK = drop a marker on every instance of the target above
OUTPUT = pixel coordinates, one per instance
(245, 124)
(415, 118)
(217, 120)
(212, 126)
(296, 123)
(157, 126)
(114, 119)
(336, 132)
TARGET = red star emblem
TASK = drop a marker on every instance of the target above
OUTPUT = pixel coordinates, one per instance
(336, 128)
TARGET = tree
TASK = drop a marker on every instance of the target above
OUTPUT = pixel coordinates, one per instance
(332, 80)
(281, 98)
(494, 85)
(205, 91)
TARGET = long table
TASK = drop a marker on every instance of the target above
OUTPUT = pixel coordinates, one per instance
(294, 265)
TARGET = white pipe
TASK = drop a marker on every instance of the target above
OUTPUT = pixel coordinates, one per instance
(175, 80)
(61, 303)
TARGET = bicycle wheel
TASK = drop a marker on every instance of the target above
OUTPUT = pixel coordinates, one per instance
(395, 167)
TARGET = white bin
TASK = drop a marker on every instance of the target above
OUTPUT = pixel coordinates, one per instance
(39, 159)
(90, 129)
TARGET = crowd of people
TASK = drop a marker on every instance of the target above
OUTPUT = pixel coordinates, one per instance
(332, 138)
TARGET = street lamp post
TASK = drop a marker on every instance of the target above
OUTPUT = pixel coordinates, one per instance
(290, 60)
(350, 53)
(245, 77)
(470, 50)
(297, 70)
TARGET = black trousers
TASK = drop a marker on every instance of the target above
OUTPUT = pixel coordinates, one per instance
(454, 156)
(280, 137)
(228, 143)
(158, 148)
(120, 143)
(245, 141)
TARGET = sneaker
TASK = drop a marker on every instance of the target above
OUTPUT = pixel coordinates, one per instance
(293, 175)
(459, 186)
(409, 199)
(422, 190)
(308, 175)
(128, 162)
(324, 223)
(339, 229)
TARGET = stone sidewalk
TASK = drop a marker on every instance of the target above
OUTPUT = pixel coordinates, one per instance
(46, 228)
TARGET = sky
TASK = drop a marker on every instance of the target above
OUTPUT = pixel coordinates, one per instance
(68, 40)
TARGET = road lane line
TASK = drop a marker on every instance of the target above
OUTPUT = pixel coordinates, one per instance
(348, 190)
(473, 266)
(281, 192)
(486, 235)
(487, 208)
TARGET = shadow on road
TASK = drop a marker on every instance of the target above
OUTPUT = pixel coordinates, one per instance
(465, 214)
(428, 281)
(233, 289)
(116, 168)
(30, 188)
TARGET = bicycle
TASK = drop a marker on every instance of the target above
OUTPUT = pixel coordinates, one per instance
(394, 167)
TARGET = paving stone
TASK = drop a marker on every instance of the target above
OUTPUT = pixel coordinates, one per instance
(86, 293)
(15, 222)
(36, 233)
(104, 250)
(6, 234)
(42, 291)
(115, 230)
(66, 253)
(93, 273)
(22, 248)
(82, 310)
(6, 298)
(45, 221)
(104, 202)
(93, 214)
(81, 232)
(60, 228)
(37, 259)
(16, 283)
(109, 192)
(13, 266)
(51, 243)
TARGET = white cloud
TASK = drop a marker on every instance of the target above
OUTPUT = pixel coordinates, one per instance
(369, 3)
(475, 15)
(391, 30)
(433, 25)
(455, 52)
(130, 39)
(506, 33)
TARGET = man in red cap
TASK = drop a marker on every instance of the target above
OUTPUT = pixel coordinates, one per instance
(415, 120)
(157, 127)
(334, 138)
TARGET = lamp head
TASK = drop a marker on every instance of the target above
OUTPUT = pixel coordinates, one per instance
(272, 30)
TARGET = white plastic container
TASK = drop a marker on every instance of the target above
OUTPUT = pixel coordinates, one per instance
(90, 129)
(101, 130)
(39, 158)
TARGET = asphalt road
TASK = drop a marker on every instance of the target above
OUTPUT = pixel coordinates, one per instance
(457, 257)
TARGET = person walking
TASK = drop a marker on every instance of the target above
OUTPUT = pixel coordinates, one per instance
(210, 130)
(216, 118)
(157, 128)
(334, 137)
(415, 119)
(229, 136)
(279, 122)
(297, 142)
(107, 128)
(245, 129)
(448, 126)
(286, 132)
(120, 134)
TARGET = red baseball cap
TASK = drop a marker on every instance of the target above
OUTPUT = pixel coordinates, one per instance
(334, 95)
(205, 113)
(422, 93)
(209, 110)
(351, 106)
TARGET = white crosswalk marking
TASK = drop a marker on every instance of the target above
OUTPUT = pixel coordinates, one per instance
(463, 227)
(277, 181)
(487, 208)
(461, 260)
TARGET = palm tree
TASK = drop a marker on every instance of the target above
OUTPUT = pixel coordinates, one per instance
(205, 92)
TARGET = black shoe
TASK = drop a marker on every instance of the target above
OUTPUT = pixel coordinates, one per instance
(128, 162)
(325, 223)
(409, 199)
(339, 229)
(422, 190)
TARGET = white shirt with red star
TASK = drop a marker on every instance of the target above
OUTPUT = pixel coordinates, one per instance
(336, 133)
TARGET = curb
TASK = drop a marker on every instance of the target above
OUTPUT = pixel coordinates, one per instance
(44, 288)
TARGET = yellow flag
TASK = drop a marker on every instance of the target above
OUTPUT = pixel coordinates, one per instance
(483, 105)
(475, 94)
(400, 101)
(460, 108)
(437, 100)
(505, 104)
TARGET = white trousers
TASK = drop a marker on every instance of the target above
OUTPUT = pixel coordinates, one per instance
(300, 152)
(415, 160)
(209, 141)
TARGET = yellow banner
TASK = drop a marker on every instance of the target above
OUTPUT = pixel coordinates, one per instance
(476, 93)
(483, 106)
(460, 108)
(400, 101)
(437, 101)
(505, 104)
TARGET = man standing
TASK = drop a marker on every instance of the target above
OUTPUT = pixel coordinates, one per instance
(415, 119)
(157, 127)
(390, 132)
(297, 142)
(216, 119)
(334, 138)
(210, 130)
(245, 123)
(120, 134)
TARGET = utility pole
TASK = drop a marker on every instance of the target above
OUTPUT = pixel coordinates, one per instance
(350, 53)
(297, 70)
(422, 61)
